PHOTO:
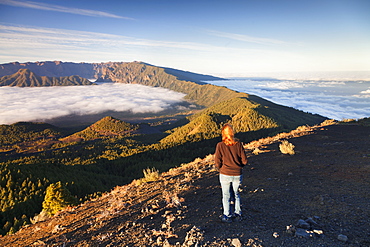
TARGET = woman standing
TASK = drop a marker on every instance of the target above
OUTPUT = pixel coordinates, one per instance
(230, 158)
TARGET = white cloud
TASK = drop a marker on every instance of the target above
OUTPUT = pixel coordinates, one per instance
(246, 38)
(50, 39)
(283, 85)
(366, 91)
(290, 84)
(42, 103)
(363, 94)
(318, 97)
(330, 83)
(58, 8)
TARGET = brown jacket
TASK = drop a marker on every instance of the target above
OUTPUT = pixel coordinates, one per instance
(229, 160)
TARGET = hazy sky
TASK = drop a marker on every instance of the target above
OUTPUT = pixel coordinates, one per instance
(205, 36)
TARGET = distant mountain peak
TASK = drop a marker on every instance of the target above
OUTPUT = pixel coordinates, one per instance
(24, 71)
(107, 123)
(24, 77)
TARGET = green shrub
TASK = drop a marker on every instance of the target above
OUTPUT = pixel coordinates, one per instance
(57, 198)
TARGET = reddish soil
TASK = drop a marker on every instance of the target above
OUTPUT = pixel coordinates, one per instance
(327, 179)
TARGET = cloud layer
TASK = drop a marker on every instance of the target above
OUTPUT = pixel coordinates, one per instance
(90, 45)
(42, 103)
(333, 99)
(246, 38)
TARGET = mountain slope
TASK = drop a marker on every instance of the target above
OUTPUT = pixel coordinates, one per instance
(26, 78)
(89, 70)
(23, 132)
(26, 137)
(245, 115)
(144, 74)
(184, 204)
(104, 128)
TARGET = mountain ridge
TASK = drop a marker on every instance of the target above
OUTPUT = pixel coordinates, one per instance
(88, 70)
(26, 78)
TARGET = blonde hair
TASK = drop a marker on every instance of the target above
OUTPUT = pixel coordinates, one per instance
(227, 133)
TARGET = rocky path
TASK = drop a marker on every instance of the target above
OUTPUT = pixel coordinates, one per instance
(318, 197)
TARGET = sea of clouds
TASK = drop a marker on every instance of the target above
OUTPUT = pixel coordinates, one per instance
(336, 99)
(28, 104)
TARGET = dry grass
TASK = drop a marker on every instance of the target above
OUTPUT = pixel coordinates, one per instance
(256, 147)
(287, 147)
(150, 175)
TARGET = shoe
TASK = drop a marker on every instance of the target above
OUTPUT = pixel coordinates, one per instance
(226, 219)
(237, 217)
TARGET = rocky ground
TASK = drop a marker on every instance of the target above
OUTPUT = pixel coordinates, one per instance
(319, 196)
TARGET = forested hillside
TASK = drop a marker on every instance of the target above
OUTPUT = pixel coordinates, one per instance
(24, 132)
(104, 128)
(85, 167)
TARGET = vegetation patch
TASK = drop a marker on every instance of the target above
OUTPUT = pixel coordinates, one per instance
(287, 147)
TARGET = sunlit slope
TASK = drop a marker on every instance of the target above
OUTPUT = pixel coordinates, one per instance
(244, 114)
(141, 73)
(287, 117)
(104, 128)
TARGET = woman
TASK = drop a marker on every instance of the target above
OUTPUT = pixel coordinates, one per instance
(229, 160)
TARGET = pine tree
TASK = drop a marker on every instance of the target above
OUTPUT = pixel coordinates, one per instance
(57, 197)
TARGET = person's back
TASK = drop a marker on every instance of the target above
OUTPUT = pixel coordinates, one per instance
(230, 158)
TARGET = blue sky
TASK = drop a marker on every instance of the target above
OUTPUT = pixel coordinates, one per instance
(225, 38)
